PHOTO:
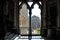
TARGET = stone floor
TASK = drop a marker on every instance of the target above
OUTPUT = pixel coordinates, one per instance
(26, 38)
(13, 36)
(33, 38)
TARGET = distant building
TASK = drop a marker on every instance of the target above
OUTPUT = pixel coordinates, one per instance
(23, 17)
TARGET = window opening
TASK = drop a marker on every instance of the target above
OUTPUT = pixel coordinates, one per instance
(24, 20)
(35, 20)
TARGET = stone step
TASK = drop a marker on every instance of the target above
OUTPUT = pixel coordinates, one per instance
(26, 38)
(9, 37)
(14, 37)
(7, 34)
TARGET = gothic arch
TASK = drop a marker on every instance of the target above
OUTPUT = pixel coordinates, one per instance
(30, 11)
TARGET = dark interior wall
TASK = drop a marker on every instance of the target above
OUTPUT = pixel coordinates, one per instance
(53, 20)
(2, 28)
(51, 7)
(9, 20)
(6, 17)
(52, 15)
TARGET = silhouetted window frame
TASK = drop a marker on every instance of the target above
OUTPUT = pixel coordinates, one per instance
(30, 12)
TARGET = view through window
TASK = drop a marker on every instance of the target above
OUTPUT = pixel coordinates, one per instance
(24, 21)
(35, 19)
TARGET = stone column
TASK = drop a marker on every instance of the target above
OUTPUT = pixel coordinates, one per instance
(16, 17)
(58, 19)
(43, 18)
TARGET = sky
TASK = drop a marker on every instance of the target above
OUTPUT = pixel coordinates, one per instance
(35, 11)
